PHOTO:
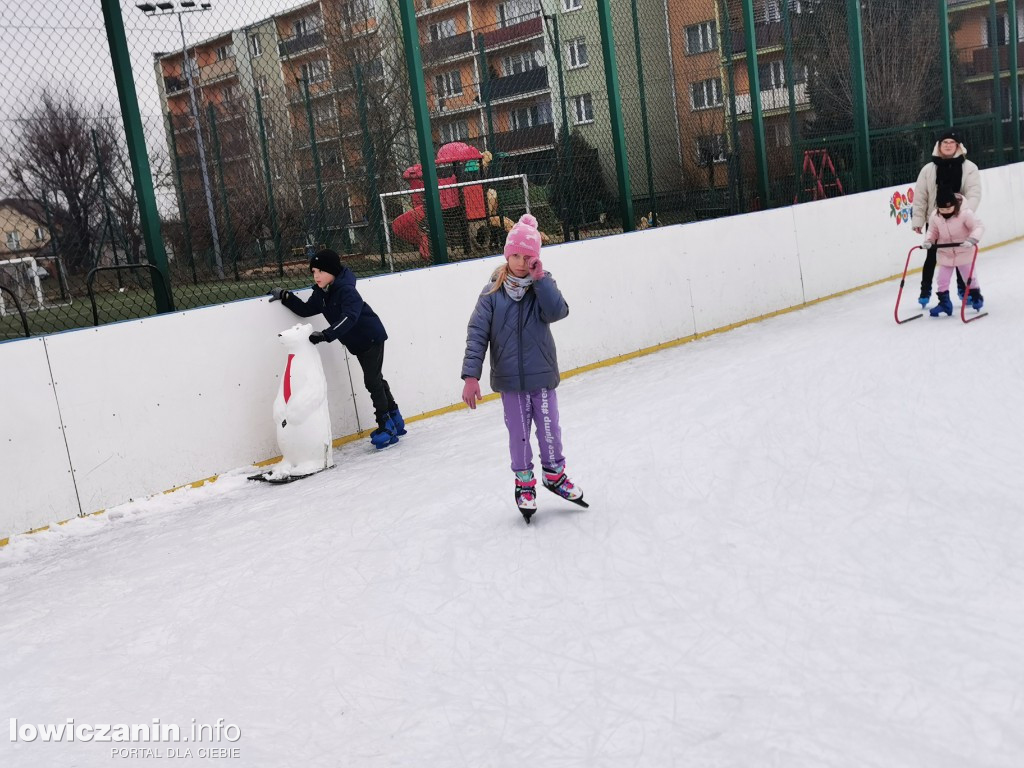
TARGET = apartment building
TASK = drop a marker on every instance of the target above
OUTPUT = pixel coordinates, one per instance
(983, 51)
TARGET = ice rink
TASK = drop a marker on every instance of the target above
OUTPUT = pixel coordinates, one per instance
(805, 549)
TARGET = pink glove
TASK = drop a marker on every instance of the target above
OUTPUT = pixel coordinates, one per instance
(471, 392)
(536, 269)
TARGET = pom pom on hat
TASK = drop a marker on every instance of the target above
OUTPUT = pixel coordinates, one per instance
(524, 238)
(326, 261)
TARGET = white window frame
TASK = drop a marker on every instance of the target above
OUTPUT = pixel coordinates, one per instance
(314, 71)
(225, 52)
(263, 85)
(255, 46)
(716, 143)
(40, 234)
(457, 130)
(324, 112)
(526, 59)
(711, 92)
(576, 53)
(446, 26)
(583, 108)
(512, 12)
(14, 241)
(776, 75)
(568, 6)
(707, 35)
(448, 84)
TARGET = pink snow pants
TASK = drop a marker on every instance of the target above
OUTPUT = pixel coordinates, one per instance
(945, 273)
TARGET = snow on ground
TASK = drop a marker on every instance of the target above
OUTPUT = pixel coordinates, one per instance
(805, 548)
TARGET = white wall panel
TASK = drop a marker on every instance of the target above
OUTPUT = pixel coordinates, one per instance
(36, 486)
(151, 404)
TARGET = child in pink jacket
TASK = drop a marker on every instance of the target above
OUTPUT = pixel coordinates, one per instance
(953, 222)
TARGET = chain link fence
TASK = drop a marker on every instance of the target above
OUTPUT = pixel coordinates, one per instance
(270, 127)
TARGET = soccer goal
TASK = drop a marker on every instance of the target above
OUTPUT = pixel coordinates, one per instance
(476, 215)
(21, 277)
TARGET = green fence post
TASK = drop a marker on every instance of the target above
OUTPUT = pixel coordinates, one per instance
(1011, 11)
(947, 63)
(268, 178)
(862, 139)
(62, 279)
(149, 219)
(186, 232)
(315, 153)
(756, 117)
(736, 203)
(370, 153)
(611, 76)
(997, 96)
(232, 245)
(643, 118)
(564, 182)
(794, 127)
(424, 139)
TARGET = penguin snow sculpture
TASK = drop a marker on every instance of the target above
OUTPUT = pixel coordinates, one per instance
(300, 411)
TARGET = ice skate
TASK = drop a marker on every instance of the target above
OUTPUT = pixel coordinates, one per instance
(526, 494)
(556, 481)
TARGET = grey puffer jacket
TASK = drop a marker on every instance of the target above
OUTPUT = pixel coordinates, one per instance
(523, 354)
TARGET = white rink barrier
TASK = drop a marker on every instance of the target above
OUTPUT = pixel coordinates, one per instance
(96, 417)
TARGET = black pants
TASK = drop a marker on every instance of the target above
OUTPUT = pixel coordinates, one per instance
(928, 272)
(372, 362)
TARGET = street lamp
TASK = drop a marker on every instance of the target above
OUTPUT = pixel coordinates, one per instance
(178, 9)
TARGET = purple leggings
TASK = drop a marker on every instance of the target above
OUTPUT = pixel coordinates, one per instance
(945, 273)
(541, 408)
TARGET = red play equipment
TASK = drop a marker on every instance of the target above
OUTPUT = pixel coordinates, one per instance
(459, 205)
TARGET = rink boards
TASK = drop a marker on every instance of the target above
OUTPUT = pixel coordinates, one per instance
(97, 417)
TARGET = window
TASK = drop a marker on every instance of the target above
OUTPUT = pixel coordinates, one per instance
(706, 94)
(315, 71)
(323, 112)
(771, 75)
(511, 11)
(710, 149)
(448, 84)
(232, 94)
(528, 117)
(442, 29)
(576, 50)
(771, 12)
(520, 62)
(357, 10)
(457, 131)
(307, 25)
(40, 234)
(225, 52)
(255, 46)
(571, 5)
(13, 241)
(374, 68)
(702, 37)
(583, 108)
(263, 86)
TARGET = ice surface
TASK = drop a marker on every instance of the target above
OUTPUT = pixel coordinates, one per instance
(805, 548)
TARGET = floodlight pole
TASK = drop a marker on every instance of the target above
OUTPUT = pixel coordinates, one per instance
(218, 262)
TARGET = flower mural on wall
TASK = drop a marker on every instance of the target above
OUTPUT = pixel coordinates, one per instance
(901, 205)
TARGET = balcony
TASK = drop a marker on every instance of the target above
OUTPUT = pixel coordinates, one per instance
(516, 85)
(174, 84)
(292, 46)
(438, 50)
(979, 61)
(773, 99)
(523, 30)
(218, 70)
(766, 35)
(427, 7)
(525, 139)
(297, 95)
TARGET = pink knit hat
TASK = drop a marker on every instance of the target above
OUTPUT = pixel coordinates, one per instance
(524, 238)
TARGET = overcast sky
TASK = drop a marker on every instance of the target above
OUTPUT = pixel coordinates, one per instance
(62, 45)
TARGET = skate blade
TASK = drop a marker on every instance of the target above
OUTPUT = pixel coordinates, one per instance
(265, 477)
(527, 514)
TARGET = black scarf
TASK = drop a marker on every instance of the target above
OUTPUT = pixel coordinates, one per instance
(949, 172)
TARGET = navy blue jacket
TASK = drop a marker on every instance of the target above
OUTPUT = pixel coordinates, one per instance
(352, 322)
(523, 354)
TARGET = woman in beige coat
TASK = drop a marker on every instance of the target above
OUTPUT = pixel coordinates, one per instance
(949, 169)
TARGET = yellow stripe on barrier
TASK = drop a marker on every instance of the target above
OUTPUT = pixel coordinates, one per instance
(340, 441)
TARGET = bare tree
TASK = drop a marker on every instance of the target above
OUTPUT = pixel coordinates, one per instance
(53, 157)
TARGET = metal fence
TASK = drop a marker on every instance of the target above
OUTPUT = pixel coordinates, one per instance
(220, 141)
